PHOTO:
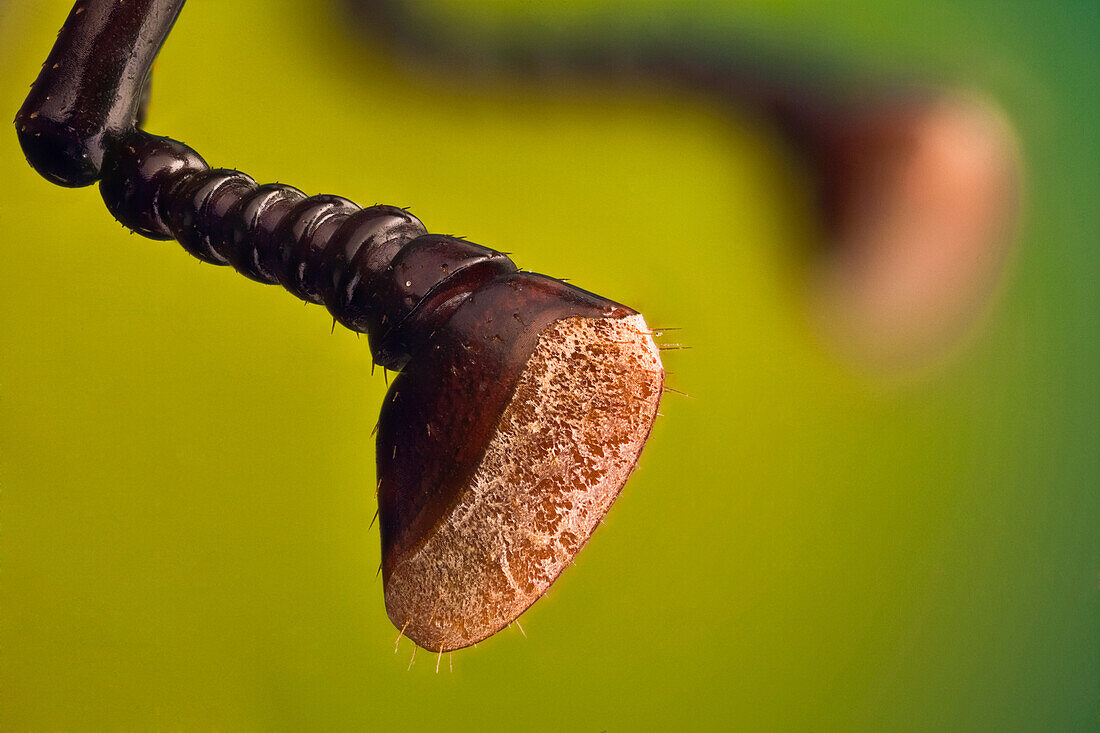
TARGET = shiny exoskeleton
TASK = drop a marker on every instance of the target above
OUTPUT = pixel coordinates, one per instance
(522, 402)
(376, 269)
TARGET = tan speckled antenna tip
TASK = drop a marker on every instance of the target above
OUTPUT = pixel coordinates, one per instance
(560, 454)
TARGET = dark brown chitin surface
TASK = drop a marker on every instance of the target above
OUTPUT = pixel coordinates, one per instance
(554, 461)
(523, 402)
(476, 340)
(440, 412)
(89, 92)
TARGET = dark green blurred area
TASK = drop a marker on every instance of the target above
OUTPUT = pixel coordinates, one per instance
(186, 468)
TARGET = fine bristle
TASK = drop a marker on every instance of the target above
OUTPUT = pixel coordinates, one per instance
(561, 452)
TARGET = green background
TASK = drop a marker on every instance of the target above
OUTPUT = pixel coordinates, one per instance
(187, 473)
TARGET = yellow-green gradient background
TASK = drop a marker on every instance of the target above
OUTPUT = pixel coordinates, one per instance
(186, 472)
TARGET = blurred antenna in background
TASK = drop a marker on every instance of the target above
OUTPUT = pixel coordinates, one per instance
(918, 186)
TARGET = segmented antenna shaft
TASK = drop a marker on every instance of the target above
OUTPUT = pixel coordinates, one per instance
(376, 269)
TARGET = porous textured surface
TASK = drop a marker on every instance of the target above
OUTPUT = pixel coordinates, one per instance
(562, 450)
